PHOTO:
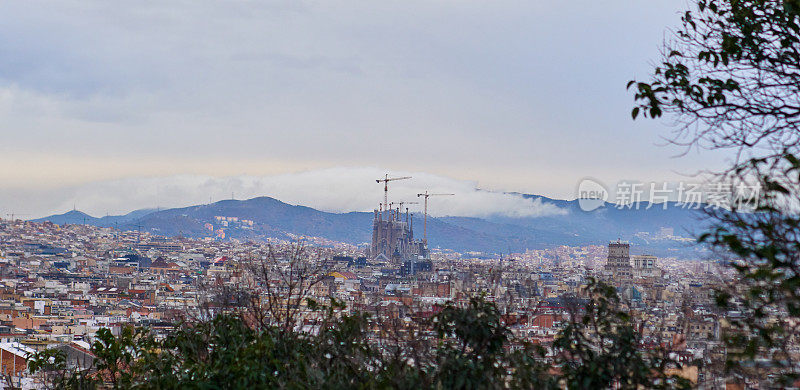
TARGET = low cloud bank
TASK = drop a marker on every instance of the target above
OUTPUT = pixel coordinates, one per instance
(333, 190)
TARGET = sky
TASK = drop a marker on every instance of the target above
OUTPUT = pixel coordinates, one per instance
(113, 106)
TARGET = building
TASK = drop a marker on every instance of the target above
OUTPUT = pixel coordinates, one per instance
(619, 260)
(645, 266)
(393, 237)
(14, 358)
(644, 261)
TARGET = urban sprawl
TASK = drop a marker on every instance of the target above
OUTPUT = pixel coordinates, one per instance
(62, 283)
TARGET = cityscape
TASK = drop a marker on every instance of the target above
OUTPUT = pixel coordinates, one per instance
(295, 194)
(64, 282)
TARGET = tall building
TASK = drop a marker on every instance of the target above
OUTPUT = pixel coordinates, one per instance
(393, 238)
(619, 260)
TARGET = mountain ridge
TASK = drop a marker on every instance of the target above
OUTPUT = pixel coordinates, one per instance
(272, 218)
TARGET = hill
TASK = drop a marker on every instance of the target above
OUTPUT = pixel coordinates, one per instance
(496, 234)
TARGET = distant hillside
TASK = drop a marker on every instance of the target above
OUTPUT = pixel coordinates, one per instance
(73, 216)
(498, 234)
(78, 217)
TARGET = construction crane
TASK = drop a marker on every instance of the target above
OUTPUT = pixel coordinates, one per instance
(385, 182)
(14, 214)
(425, 220)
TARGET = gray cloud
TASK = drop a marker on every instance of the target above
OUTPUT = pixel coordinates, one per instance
(524, 96)
(334, 189)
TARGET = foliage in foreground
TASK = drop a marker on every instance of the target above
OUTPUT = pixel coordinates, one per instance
(730, 78)
(470, 348)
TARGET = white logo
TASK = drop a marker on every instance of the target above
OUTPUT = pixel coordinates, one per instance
(591, 194)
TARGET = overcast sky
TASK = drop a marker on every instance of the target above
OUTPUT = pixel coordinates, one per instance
(188, 98)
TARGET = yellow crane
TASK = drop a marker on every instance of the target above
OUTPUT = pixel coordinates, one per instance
(425, 221)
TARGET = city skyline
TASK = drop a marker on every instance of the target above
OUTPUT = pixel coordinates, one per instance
(399, 194)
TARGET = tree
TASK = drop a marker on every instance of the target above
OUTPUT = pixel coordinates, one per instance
(764, 250)
(52, 365)
(115, 363)
(730, 76)
(600, 348)
(280, 283)
(472, 352)
(471, 348)
(115, 356)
